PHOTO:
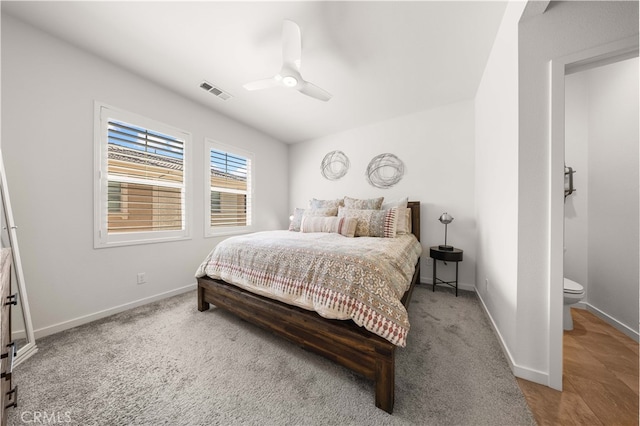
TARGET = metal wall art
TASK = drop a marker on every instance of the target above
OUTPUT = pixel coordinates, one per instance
(385, 170)
(334, 165)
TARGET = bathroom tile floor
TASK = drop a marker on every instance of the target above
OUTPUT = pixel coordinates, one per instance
(600, 378)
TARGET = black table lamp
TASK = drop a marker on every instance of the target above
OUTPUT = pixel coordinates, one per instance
(445, 218)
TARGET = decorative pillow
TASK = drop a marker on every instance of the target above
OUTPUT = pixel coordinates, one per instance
(373, 223)
(299, 214)
(370, 204)
(401, 204)
(407, 221)
(325, 204)
(339, 225)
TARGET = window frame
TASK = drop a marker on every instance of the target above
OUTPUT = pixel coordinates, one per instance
(103, 113)
(210, 231)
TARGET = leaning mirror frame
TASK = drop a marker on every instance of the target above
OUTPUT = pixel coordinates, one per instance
(25, 339)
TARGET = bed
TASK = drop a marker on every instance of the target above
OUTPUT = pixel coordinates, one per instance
(345, 342)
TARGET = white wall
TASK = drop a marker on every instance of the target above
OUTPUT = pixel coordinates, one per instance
(48, 91)
(565, 28)
(576, 155)
(437, 149)
(604, 229)
(496, 134)
(614, 191)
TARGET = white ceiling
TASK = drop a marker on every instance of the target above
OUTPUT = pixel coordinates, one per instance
(378, 59)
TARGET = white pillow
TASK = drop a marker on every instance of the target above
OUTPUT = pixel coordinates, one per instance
(338, 225)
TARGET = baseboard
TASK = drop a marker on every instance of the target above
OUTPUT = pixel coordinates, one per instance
(461, 286)
(56, 328)
(579, 305)
(613, 322)
(529, 374)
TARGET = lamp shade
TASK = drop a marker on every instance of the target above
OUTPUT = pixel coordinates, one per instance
(445, 218)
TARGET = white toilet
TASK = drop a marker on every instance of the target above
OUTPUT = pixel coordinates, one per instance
(573, 293)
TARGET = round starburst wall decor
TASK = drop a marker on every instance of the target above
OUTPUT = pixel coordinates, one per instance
(385, 170)
(334, 165)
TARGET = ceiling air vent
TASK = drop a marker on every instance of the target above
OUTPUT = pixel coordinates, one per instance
(215, 90)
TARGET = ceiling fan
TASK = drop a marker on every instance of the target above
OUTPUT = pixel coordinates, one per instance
(289, 75)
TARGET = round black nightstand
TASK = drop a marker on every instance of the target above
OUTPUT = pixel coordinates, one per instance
(454, 255)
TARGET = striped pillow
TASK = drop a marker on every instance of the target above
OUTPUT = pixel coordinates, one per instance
(373, 223)
(338, 225)
(404, 224)
(299, 214)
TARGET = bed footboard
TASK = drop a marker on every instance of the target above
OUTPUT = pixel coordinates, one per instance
(340, 341)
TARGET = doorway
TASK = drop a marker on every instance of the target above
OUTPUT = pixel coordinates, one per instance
(606, 54)
(601, 217)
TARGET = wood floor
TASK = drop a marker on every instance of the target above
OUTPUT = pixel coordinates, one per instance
(600, 378)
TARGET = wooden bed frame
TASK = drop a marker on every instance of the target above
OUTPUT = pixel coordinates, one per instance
(343, 342)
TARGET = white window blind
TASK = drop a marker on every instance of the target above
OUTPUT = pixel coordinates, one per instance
(230, 189)
(142, 188)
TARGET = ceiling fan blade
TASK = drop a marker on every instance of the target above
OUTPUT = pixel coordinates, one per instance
(266, 83)
(314, 91)
(289, 76)
(291, 44)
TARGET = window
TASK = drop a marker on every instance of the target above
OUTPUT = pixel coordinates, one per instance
(141, 179)
(228, 189)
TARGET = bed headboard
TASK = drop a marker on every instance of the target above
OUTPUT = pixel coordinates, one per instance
(415, 218)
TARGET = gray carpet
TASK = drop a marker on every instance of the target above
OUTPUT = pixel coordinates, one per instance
(145, 367)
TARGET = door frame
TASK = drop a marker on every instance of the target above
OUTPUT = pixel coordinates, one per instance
(558, 68)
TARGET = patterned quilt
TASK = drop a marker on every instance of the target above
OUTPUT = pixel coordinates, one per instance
(362, 279)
